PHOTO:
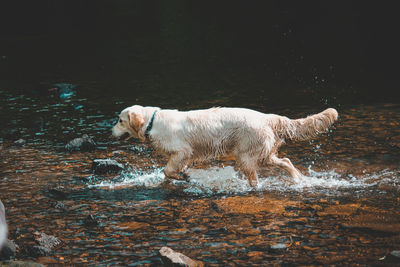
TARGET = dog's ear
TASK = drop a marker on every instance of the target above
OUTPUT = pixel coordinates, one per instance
(136, 121)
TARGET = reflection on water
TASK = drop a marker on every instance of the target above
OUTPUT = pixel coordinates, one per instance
(343, 211)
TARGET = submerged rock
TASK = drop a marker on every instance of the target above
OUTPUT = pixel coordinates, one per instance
(395, 253)
(60, 206)
(84, 143)
(91, 221)
(20, 142)
(38, 251)
(103, 166)
(172, 258)
(11, 134)
(57, 193)
(65, 90)
(61, 90)
(392, 259)
(8, 251)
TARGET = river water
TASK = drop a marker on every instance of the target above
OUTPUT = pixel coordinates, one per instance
(343, 211)
(291, 59)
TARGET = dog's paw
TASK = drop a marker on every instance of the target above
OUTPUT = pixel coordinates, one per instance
(175, 176)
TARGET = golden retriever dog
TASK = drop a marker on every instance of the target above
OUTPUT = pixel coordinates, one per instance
(252, 137)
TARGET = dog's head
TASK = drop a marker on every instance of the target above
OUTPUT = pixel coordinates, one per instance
(131, 122)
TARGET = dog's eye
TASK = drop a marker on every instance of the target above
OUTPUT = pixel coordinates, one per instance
(120, 121)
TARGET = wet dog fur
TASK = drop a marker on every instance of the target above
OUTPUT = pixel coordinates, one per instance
(252, 137)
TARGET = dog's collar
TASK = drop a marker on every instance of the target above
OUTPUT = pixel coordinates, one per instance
(150, 125)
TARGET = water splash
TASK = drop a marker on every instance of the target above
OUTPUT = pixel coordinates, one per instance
(135, 178)
(216, 181)
(228, 181)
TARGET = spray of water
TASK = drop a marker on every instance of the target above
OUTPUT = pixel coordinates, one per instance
(226, 180)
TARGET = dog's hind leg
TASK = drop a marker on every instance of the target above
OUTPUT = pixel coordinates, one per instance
(176, 164)
(286, 165)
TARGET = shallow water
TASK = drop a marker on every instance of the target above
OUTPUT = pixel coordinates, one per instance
(343, 211)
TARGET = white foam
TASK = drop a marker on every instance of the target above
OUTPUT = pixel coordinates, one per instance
(216, 180)
(227, 181)
(135, 178)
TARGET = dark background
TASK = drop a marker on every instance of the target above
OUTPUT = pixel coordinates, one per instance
(232, 52)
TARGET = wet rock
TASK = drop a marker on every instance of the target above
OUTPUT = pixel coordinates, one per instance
(91, 221)
(8, 250)
(393, 258)
(20, 142)
(103, 166)
(60, 206)
(278, 247)
(172, 258)
(65, 90)
(84, 143)
(61, 90)
(38, 251)
(395, 253)
(20, 264)
(47, 241)
(57, 193)
(11, 134)
(46, 245)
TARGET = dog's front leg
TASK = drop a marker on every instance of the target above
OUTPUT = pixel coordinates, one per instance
(176, 164)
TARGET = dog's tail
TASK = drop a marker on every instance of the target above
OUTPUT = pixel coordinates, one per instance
(306, 128)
